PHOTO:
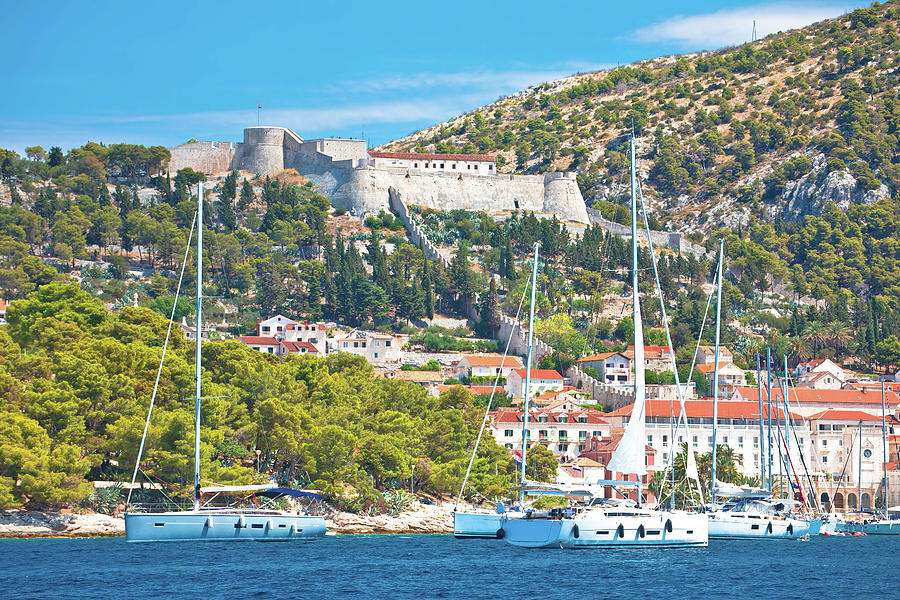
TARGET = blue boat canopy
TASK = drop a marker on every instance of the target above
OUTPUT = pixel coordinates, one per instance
(275, 492)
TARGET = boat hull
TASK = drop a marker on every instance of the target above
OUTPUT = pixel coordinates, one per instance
(477, 525)
(881, 527)
(664, 530)
(744, 527)
(221, 526)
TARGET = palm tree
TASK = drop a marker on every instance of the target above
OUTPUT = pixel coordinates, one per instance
(838, 334)
(814, 336)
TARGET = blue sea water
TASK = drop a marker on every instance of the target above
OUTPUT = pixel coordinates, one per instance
(439, 566)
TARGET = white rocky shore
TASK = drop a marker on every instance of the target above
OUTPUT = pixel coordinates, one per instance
(421, 518)
(28, 524)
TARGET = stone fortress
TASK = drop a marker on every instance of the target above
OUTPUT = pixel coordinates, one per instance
(363, 181)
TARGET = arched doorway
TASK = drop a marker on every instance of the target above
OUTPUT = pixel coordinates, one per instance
(839, 501)
(866, 501)
(851, 501)
(825, 500)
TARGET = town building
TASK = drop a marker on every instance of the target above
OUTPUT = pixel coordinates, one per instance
(601, 450)
(730, 377)
(487, 365)
(263, 343)
(565, 433)
(738, 428)
(542, 380)
(656, 358)
(376, 348)
(807, 402)
(613, 368)
(819, 380)
(425, 378)
(821, 365)
(706, 355)
(284, 329)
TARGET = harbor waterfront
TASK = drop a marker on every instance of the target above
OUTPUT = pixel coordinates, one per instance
(439, 566)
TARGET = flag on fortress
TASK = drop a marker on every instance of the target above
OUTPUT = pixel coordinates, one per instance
(259, 105)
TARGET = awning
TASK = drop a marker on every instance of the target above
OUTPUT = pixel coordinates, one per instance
(275, 492)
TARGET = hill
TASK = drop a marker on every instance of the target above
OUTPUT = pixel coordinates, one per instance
(769, 130)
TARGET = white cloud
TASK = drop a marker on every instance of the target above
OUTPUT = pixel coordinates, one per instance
(735, 26)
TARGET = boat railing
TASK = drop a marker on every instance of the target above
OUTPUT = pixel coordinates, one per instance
(156, 507)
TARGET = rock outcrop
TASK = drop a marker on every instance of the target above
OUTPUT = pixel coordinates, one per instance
(811, 193)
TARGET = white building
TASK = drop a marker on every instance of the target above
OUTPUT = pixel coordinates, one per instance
(564, 433)
(376, 348)
(730, 377)
(542, 380)
(487, 365)
(613, 368)
(819, 380)
(468, 164)
(821, 365)
(285, 329)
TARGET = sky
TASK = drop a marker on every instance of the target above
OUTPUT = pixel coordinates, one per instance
(164, 72)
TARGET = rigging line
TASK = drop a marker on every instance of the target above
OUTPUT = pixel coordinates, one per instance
(844, 469)
(137, 462)
(491, 399)
(812, 488)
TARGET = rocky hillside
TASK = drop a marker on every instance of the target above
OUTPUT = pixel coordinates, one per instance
(766, 131)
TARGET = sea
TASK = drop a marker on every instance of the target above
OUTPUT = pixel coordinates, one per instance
(440, 566)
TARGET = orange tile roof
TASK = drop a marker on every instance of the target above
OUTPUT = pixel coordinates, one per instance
(539, 374)
(599, 356)
(261, 340)
(703, 409)
(811, 396)
(492, 361)
(844, 415)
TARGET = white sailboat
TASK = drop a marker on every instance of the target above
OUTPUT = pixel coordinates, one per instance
(204, 522)
(608, 522)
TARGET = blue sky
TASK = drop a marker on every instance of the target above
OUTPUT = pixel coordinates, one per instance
(163, 72)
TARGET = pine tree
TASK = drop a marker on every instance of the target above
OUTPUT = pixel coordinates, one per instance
(14, 197)
(490, 309)
(428, 288)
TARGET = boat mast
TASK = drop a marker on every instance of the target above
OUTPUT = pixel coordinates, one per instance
(787, 426)
(199, 335)
(769, 415)
(859, 474)
(534, 268)
(762, 447)
(884, 455)
(636, 307)
(712, 483)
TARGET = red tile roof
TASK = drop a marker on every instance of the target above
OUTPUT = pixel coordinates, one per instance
(259, 340)
(513, 416)
(299, 346)
(539, 374)
(432, 156)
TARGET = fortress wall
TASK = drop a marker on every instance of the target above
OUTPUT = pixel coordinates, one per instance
(562, 196)
(208, 157)
(263, 150)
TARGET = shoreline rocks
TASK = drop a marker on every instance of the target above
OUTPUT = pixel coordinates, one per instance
(422, 518)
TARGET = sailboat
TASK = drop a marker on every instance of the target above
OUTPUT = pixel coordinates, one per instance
(883, 524)
(204, 522)
(750, 513)
(483, 524)
(615, 522)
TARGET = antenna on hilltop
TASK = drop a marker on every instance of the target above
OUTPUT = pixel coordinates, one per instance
(754, 30)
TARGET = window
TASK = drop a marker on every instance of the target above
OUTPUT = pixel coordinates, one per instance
(824, 443)
(597, 434)
(582, 435)
(580, 448)
(709, 440)
(665, 441)
(265, 328)
(442, 165)
(490, 167)
(507, 433)
(695, 439)
(740, 442)
(563, 419)
(376, 355)
(416, 165)
(755, 442)
(542, 419)
(356, 344)
(345, 344)
(649, 439)
(563, 435)
(582, 419)
(453, 166)
(516, 203)
(387, 344)
(542, 434)
(363, 344)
